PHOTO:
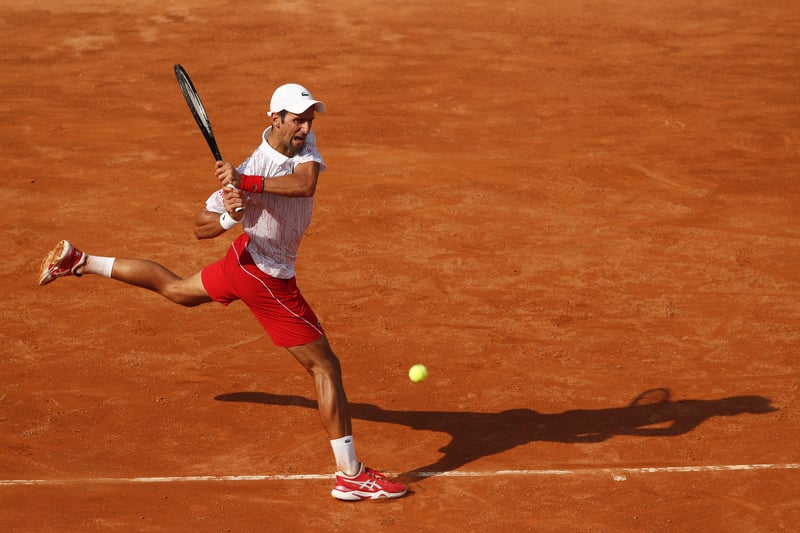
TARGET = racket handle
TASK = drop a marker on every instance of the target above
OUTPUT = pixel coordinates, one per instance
(238, 209)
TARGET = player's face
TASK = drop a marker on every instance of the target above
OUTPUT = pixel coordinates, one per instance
(290, 133)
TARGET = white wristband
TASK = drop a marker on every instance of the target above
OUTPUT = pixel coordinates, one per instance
(227, 221)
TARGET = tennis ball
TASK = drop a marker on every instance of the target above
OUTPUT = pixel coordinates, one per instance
(418, 373)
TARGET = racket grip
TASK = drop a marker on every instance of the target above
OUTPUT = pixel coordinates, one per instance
(238, 209)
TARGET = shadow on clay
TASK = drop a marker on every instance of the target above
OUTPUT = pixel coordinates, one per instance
(475, 435)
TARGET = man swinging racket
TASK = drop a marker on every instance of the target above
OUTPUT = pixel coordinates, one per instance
(275, 186)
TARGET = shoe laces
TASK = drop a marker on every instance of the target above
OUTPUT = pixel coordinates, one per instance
(374, 473)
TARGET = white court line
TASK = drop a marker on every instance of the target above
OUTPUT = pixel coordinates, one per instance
(617, 474)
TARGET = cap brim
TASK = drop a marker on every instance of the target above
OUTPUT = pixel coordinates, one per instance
(302, 107)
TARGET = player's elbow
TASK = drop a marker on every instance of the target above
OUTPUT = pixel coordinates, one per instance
(305, 183)
(202, 232)
(308, 192)
(206, 225)
(307, 188)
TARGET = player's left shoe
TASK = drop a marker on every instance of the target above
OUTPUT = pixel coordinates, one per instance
(63, 260)
(368, 484)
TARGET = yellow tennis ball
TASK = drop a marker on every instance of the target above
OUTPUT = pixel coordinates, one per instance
(418, 373)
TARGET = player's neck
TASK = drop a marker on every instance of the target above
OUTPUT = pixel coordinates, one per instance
(275, 143)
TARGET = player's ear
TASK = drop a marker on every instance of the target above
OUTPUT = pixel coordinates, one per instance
(274, 118)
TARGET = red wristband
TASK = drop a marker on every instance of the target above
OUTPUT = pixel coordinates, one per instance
(252, 183)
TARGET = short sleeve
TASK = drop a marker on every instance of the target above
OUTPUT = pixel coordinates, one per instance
(215, 202)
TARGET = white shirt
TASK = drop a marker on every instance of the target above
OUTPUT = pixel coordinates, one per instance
(274, 223)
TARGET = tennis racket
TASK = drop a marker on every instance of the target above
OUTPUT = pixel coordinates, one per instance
(198, 112)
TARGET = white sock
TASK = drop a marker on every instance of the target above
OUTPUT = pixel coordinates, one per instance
(344, 450)
(98, 265)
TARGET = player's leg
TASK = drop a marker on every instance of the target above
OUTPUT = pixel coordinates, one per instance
(286, 316)
(66, 260)
(322, 364)
(156, 277)
(354, 481)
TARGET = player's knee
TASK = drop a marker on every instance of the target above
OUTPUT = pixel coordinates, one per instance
(318, 359)
(177, 293)
(326, 363)
(332, 364)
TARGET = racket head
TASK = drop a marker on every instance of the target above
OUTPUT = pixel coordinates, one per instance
(197, 109)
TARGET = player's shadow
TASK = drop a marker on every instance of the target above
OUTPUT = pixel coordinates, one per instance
(475, 435)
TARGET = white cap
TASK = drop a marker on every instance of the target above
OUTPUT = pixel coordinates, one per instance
(293, 98)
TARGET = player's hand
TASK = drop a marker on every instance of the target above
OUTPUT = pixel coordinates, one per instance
(234, 203)
(227, 175)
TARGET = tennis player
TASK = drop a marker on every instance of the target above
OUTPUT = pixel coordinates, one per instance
(276, 187)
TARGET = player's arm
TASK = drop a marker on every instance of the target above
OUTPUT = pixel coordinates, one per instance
(209, 224)
(302, 182)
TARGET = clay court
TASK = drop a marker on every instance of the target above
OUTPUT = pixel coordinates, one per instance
(581, 216)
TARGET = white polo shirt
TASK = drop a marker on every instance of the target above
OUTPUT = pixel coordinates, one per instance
(275, 224)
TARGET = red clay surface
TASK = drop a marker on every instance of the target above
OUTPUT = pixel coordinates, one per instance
(556, 206)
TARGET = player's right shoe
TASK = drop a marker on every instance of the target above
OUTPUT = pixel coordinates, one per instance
(63, 260)
(368, 484)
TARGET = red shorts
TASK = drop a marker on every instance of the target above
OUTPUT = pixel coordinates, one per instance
(276, 303)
